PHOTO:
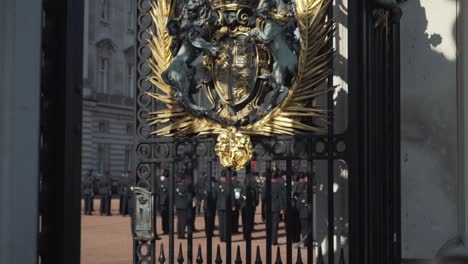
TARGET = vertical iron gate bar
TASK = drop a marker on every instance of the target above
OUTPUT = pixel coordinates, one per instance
(218, 259)
(209, 235)
(154, 188)
(380, 140)
(248, 241)
(369, 159)
(310, 201)
(269, 172)
(180, 256)
(389, 91)
(152, 254)
(384, 124)
(193, 214)
(374, 127)
(228, 220)
(331, 148)
(199, 259)
(172, 185)
(380, 164)
(374, 75)
(289, 220)
(135, 246)
(367, 138)
(72, 104)
(60, 131)
(143, 24)
(357, 45)
(154, 184)
(382, 131)
(388, 138)
(396, 163)
(162, 257)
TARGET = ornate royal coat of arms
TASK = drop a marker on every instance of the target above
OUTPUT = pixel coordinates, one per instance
(238, 68)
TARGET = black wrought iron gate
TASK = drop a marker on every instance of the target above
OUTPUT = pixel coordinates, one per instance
(368, 149)
(356, 170)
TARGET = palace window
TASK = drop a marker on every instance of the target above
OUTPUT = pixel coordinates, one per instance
(103, 126)
(130, 14)
(103, 74)
(130, 79)
(129, 129)
(104, 10)
(102, 158)
(127, 158)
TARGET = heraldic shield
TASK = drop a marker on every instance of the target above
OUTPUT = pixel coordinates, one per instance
(235, 69)
(235, 73)
(239, 67)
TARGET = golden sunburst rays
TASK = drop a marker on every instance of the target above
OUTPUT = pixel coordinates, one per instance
(294, 114)
(159, 44)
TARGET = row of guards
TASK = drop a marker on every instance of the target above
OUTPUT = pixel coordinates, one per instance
(103, 190)
(280, 196)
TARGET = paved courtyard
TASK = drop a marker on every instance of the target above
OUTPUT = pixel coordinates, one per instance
(108, 239)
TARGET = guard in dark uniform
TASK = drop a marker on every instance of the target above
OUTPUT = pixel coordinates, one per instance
(108, 199)
(278, 204)
(183, 203)
(305, 210)
(191, 212)
(236, 203)
(200, 191)
(221, 204)
(248, 205)
(209, 205)
(121, 187)
(199, 194)
(163, 200)
(104, 208)
(261, 189)
(102, 194)
(95, 190)
(124, 196)
(283, 180)
(88, 192)
(258, 191)
(294, 222)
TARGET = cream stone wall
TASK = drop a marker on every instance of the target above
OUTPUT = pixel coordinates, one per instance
(433, 180)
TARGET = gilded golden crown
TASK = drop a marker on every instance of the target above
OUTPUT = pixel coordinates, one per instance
(233, 4)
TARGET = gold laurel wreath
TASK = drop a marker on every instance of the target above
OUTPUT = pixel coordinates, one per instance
(286, 119)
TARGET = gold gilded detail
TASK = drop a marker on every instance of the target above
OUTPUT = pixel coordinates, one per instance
(234, 4)
(234, 149)
(282, 16)
(289, 117)
(292, 116)
(235, 69)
